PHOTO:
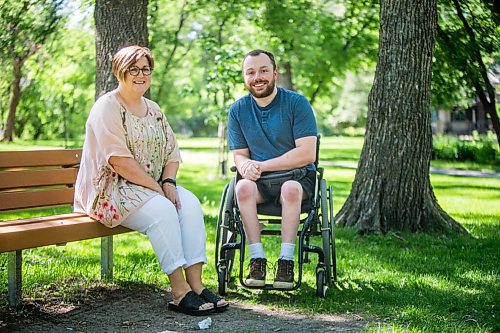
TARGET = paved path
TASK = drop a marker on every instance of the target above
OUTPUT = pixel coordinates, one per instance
(449, 172)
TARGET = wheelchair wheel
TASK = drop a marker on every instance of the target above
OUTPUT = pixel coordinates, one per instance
(327, 232)
(225, 234)
(321, 285)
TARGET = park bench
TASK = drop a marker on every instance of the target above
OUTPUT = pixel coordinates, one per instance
(38, 179)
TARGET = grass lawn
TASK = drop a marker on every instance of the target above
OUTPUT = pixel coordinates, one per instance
(401, 282)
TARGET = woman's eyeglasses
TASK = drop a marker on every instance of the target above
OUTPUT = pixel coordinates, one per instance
(134, 70)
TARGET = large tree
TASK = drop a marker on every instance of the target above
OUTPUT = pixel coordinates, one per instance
(26, 26)
(392, 189)
(118, 23)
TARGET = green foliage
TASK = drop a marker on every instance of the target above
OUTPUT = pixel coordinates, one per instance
(330, 46)
(26, 25)
(60, 93)
(457, 68)
(321, 40)
(481, 149)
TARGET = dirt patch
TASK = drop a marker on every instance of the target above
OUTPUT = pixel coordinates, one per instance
(144, 310)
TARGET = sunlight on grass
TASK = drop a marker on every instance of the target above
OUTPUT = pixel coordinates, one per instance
(399, 282)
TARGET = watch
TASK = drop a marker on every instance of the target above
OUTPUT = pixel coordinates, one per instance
(168, 180)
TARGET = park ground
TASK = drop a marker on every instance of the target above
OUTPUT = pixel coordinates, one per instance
(398, 282)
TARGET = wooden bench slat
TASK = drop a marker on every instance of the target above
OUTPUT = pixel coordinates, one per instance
(48, 218)
(33, 178)
(20, 200)
(34, 158)
(53, 230)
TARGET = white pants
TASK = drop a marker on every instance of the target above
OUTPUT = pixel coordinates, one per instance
(178, 238)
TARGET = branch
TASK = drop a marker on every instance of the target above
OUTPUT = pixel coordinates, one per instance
(316, 91)
(182, 19)
(476, 51)
(170, 57)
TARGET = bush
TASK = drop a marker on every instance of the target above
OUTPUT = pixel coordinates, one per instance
(478, 148)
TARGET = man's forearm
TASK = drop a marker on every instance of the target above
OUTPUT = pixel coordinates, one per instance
(239, 161)
(303, 154)
(292, 159)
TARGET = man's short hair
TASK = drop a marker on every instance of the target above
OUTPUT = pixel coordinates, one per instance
(256, 53)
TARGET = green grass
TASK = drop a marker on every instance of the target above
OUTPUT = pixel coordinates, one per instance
(399, 282)
(348, 149)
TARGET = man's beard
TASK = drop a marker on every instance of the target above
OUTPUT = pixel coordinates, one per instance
(269, 90)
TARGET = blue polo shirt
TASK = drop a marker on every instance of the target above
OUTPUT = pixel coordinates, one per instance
(270, 131)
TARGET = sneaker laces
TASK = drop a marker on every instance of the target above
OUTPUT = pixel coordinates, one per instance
(286, 267)
(260, 263)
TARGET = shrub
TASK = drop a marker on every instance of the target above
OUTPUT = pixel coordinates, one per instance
(478, 148)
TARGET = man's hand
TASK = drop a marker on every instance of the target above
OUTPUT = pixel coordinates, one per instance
(251, 170)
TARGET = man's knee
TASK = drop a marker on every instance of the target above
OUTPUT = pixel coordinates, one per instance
(291, 191)
(246, 190)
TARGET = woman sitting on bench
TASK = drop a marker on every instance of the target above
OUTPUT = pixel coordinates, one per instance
(127, 177)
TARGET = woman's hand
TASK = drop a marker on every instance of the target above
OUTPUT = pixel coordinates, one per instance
(170, 191)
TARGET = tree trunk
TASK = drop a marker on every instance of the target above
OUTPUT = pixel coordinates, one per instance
(15, 96)
(118, 23)
(285, 77)
(392, 189)
(489, 106)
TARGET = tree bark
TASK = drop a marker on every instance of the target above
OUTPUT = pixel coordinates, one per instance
(285, 77)
(392, 189)
(118, 23)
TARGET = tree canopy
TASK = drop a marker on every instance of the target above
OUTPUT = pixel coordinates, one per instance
(325, 50)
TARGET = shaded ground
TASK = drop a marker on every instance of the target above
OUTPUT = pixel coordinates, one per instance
(144, 310)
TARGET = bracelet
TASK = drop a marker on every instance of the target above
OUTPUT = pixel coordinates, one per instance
(170, 181)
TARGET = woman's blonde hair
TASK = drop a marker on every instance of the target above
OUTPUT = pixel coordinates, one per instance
(128, 56)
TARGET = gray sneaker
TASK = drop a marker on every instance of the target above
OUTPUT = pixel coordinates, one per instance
(284, 274)
(257, 275)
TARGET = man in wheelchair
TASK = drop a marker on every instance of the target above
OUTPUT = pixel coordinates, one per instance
(272, 133)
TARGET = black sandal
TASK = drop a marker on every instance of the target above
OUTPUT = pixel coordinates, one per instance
(190, 305)
(209, 296)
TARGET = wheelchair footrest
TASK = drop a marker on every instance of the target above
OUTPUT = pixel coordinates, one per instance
(269, 286)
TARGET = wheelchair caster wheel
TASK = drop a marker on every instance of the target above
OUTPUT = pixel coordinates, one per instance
(321, 284)
(222, 282)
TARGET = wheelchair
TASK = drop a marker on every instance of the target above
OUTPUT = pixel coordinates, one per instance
(316, 220)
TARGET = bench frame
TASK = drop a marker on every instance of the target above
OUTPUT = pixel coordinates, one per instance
(37, 179)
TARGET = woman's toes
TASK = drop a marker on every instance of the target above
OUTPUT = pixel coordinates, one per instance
(206, 306)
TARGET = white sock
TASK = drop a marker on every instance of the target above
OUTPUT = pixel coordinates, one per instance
(287, 251)
(256, 250)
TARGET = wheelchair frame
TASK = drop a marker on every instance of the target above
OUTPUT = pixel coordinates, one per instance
(319, 221)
